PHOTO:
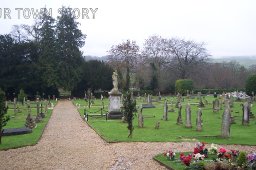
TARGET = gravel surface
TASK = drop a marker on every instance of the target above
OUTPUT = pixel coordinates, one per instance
(69, 143)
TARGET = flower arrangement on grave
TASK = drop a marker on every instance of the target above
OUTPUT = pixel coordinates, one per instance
(251, 159)
(213, 149)
(221, 153)
(170, 154)
(186, 159)
(233, 158)
(198, 157)
(199, 148)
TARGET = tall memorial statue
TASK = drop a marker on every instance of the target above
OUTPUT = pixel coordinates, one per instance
(115, 84)
(115, 100)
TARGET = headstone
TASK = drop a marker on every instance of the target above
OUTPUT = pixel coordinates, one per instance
(188, 116)
(115, 100)
(179, 119)
(178, 100)
(215, 95)
(199, 122)
(15, 105)
(188, 95)
(165, 116)
(41, 112)
(231, 102)
(201, 104)
(24, 100)
(45, 108)
(159, 96)
(140, 119)
(38, 116)
(225, 128)
(246, 116)
(216, 105)
(149, 99)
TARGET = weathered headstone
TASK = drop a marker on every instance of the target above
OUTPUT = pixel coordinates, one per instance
(149, 99)
(178, 100)
(140, 119)
(225, 126)
(201, 104)
(216, 105)
(38, 116)
(159, 96)
(15, 105)
(42, 114)
(46, 108)
(165, 116)
(188, 95)
(246, 116)
(179, 119)
(188, 116)
(199, 123)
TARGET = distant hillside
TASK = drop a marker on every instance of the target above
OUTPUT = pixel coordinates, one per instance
(243, 60)
(88, 58)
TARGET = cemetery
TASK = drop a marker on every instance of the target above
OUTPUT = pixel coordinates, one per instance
(172, 129)
(155, 102)
(27, 122)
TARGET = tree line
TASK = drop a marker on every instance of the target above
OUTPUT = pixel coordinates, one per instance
(46, 57)
(43, 58)
(161, 61)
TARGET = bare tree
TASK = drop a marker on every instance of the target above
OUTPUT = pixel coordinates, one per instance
(125, 56)
(187, 55)
(156, 55)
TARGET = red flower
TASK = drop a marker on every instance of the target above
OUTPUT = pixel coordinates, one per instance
(185, 159)
(222, 150)
(227, 155)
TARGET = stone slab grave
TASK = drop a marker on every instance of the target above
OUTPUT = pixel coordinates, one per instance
(149, 104)
(16, 131)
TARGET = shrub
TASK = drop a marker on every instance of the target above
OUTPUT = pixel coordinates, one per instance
(241, 160)
(250, 85)
(196, 166)
(182, 85)
(3, 111)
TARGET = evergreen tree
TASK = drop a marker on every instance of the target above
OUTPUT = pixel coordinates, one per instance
(47, 50)
(69, 40)
(3, 111)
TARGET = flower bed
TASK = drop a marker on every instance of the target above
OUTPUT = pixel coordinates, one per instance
(207, 158)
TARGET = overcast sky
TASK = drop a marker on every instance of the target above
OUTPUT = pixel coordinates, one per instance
(228, 27)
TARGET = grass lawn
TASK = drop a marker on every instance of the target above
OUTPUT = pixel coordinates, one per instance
(169, 131)
(18, 121)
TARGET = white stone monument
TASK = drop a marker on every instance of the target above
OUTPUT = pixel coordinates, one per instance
(115, 100)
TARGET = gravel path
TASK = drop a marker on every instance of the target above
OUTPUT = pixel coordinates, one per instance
(69, 143)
